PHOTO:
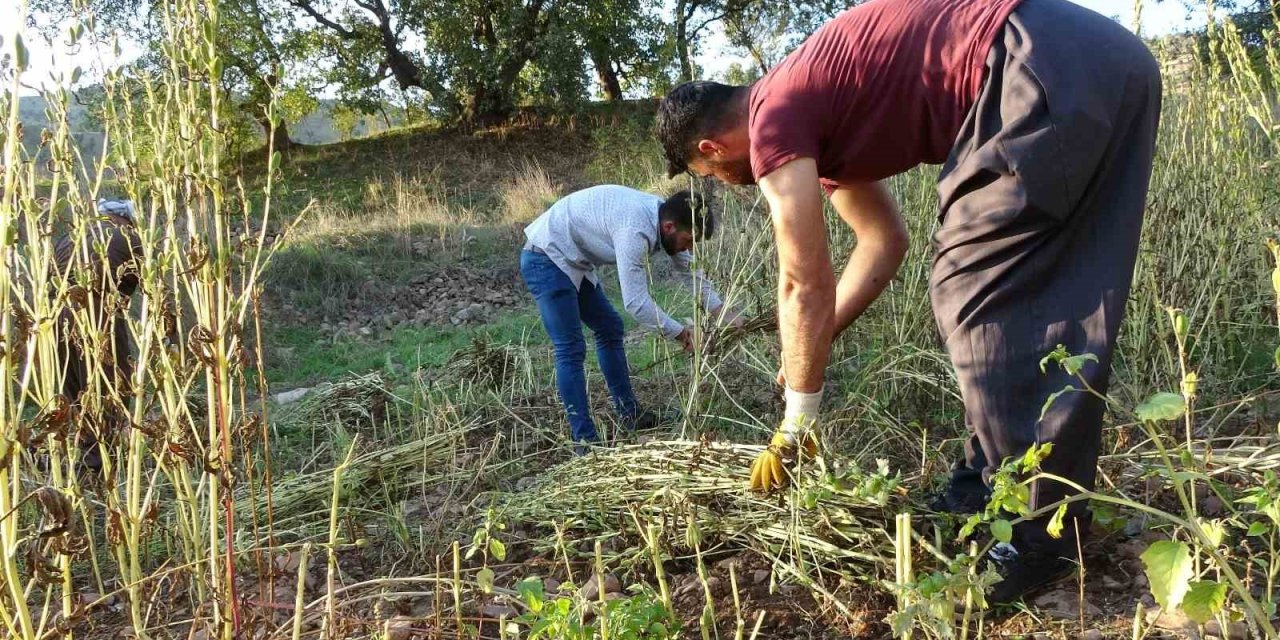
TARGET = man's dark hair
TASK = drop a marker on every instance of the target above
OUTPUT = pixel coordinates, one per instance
(690, 213)
(694, 111)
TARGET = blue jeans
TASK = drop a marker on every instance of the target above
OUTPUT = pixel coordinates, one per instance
(564, 310)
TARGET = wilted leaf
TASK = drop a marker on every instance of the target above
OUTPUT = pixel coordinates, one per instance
(1215, 532)
(1168, 568)
(1055, 523)
(484, 578)
(1053, 397)
(497, 549)
(1161, 407)
(1204, 600)
(1002, 530)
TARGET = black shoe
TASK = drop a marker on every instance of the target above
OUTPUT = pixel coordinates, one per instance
(962, 505)
(583, 447)
(645, 420)
(648, 420)
(1024, 573)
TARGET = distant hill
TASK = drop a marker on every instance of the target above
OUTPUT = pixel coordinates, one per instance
(318, 127)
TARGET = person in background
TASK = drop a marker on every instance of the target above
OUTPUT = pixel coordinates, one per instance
(1044, 117)
(604, 225)
(102, 269)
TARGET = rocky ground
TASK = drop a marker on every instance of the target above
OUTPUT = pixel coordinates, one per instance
(449, 296)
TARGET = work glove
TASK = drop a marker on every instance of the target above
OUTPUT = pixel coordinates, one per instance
(770, 468)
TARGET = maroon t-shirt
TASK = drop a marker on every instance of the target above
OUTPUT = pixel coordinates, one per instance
(881, 88)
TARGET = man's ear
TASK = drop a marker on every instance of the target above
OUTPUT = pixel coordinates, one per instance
(710, 148)
(667, 226)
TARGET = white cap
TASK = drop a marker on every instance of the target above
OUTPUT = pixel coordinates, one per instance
(122, 208)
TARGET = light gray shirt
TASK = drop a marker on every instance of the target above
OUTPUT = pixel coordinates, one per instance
(610, 224)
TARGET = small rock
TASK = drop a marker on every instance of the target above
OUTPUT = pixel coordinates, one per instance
(1234, 630)
(551, 585)
(1211, 506)
(288, 562)
(1171, 621)
(289, 397)
(591, 590)
(1112, 584)
(1140, 581)
(526, 482)
(366, 331)
(399, 628)
(760, 576)
(1092, 634)
(717, 586)
(497, 611)
(1131, 549)
(1061, 603)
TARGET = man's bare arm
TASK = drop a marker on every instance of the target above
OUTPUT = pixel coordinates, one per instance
(806, 282)
(882, 244)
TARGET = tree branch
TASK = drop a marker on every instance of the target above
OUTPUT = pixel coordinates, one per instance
(305, 5)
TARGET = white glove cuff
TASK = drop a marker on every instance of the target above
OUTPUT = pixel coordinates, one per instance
(801, 413)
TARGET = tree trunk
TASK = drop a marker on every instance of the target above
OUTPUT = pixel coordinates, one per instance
(280, 136)
(606, 75)
(682, 41)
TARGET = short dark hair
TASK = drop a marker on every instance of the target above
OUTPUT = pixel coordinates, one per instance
(690, 213)
(693, 111)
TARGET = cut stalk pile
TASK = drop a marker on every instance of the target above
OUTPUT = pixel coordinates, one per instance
(834, 518)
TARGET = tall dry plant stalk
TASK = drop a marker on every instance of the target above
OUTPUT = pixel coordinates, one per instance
(173, 431)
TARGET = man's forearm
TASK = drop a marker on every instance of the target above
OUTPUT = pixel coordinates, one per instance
(870, 269)
(806, 326)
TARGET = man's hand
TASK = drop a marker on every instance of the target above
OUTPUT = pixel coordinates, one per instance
(769, 470)
(685, 338)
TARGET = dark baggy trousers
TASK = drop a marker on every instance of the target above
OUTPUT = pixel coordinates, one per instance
(1041, 211)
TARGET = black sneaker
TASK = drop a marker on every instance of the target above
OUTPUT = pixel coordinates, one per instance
(648, 420)
(583, 447)
(963, 505)
(645, 420)
(1024, 573)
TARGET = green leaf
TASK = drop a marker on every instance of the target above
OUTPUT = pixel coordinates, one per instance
(1204, 600)
(1258, 529)
(1168, 568)
(1053, 397)
(531, 592)
(1161, 407)
(484, 578)
(1002, 530)
(1055, 523)
(1214, 531)
(969, 526)
(497, 549)
(1074, 364)
(1056, 355)
(23, 58)
(1035, 455)
(1278, 357)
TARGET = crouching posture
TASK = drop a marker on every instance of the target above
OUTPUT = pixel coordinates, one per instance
(603, 225)
(1044, 117)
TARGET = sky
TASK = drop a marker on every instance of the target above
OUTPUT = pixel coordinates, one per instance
(48, 61)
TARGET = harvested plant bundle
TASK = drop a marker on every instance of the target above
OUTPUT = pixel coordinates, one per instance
(400, 468)
(353, 401)
(835, 517)
(485, 363)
